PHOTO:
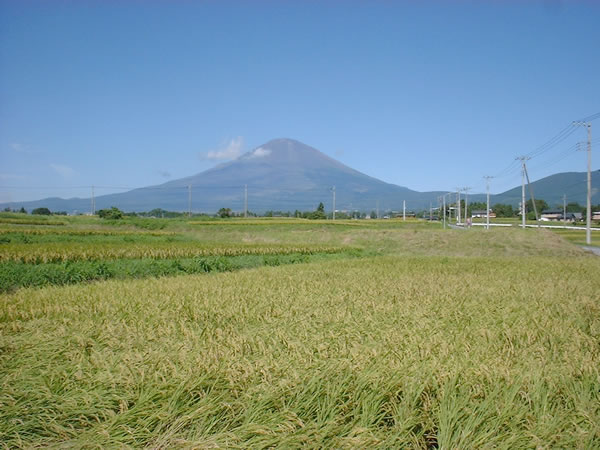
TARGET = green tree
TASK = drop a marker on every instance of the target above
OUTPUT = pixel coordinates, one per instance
(477, 206)
(23, 210)
(503, 210)
(41, 211)
(224, 212)
(539, 203)
(574, 207)
(319, 213)
(113, 213)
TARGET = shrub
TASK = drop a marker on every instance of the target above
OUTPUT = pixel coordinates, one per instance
(112, 213)
(41, 211)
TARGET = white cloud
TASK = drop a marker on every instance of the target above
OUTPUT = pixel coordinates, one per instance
(229, 151)
(12, 177)
(63, 171)
(24, 149)
(260, 152)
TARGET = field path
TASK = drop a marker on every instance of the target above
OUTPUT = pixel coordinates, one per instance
(594, 250)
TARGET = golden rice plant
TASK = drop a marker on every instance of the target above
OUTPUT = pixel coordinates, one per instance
(74, 251)
(83, 232)
(30, 221)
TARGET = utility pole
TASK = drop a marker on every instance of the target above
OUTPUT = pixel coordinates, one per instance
(523, 208)
(93, 202)
(333, 189)
(404, 210)
(245, 201)
(189, 200)
(444, 206)
(537, 218)
(588, 227)
(564, 209)
(458, 205)
(430, 212)
(466, 189)
(487, 212)
(588, 214)
(378, 209)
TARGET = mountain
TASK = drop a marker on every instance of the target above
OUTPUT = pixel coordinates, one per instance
(286, 175)
(553, 187)
(282, 174)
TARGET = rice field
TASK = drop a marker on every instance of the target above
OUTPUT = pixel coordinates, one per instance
(427, 338)
(58, 252)
(72, 232)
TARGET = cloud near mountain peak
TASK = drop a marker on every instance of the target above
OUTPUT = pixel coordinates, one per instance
(231, 150)
(260, 152)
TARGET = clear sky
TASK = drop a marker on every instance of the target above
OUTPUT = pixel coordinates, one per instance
(428, 95)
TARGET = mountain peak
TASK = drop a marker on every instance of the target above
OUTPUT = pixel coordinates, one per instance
(286, 151)
(284, 141)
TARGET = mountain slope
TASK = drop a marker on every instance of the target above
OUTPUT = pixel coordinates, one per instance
(282, 174)
(285, 174)
(553, 187)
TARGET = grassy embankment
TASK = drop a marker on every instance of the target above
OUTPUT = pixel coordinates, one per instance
(456, 339)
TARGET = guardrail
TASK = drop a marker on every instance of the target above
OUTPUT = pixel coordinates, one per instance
(462, 224)
(562, 227)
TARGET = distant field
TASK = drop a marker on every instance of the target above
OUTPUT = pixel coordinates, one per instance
(381, 333)
(578, 236)
(574, 236)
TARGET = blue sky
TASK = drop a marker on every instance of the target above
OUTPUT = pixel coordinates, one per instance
(428, 95)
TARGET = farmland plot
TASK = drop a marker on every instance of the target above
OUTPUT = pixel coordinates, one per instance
(449, 339)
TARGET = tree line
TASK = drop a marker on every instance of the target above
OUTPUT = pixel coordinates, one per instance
(500, 209)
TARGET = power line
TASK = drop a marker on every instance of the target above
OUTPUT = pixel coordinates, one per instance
(560, 137)
(561, 156)
(589, 118)
(507, 170)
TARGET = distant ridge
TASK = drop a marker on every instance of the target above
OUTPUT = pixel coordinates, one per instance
(553, 187)
(287, 175)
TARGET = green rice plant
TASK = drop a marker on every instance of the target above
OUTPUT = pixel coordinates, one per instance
(89, 239)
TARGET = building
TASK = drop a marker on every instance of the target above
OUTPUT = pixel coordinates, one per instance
(550, 215)
(482, 213)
